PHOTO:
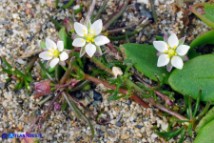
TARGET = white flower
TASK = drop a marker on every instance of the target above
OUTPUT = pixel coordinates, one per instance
(171, 52)
(89, 38)
(54, 52)
(117, 71)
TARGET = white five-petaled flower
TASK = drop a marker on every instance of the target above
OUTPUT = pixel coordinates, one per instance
(54, 52)
(89, 38)
(171, 52)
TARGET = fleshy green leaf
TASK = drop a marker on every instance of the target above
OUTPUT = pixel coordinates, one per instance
(206, 134)
(65, 38)
(204, 39)
(145, 60)
(205, 12)
(206, 119)
(196, 78)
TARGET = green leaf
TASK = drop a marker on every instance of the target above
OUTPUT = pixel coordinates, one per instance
(196, 78)
(65, 38)
(204, 39)
(206, 134)
(206, 119)
(57, 25)
(42, 44)
(205, 12)
(171, 134)
(69, 4)
(145, 60)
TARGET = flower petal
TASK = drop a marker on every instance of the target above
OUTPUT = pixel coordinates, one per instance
(90, 49)
(182, 50)
(60, 45)
(177, 62)
(78, 42)
(50, 44)
(54, 62)
(99, 50)
(169, 67)
(80, 29)
(63, 56)
(82, 52)
(173, 41)
(163, 60)
(101, 40)
(45, 55)
(96, 27)
(182, 40)
(161, 46)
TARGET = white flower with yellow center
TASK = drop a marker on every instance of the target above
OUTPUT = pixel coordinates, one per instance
(89, 38)
(171, 52)
(54, 52)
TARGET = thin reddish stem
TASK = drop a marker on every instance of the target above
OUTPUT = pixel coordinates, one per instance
(113, 87)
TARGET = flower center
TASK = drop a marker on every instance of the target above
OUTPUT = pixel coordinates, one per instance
(54, 52)
(171, 52)
(89, 38)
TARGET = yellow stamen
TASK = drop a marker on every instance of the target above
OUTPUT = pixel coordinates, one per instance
(89, 37)
(54, 52)
(171, 52)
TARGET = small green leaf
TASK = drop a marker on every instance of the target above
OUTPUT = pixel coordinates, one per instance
(65, 38)
(205, 11)
(57, 25)
(202, 40)
(42, 44)
(206, 134)
(171, 134)
(64, 106)
(69, 4)
(206, 119)
(196, 78)
(145, 60)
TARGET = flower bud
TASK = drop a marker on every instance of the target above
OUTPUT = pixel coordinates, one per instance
(117, 71)
(68, 25)
(42, 88)
(57, 106)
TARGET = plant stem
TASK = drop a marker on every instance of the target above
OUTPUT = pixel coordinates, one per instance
(120, 29)
(154, 14)
(161, 95)
(116, 16)
(113, 87)
(204, 111)
(46, 72)
(90, 11)
(100, 10)
(67, 74)
(164, 109)
(78, 87)
(78, 112)
(136, 98)
(30, 64)
(141, 23)
(101, 65)
(45, 100)
(167, 100)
